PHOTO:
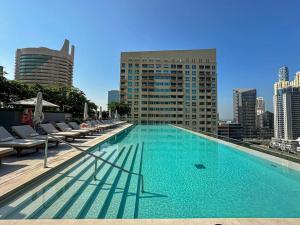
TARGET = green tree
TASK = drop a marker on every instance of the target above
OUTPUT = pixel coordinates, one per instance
(122, 107)
(69, 99)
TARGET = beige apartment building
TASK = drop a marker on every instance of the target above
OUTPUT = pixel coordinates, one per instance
(45, 66)
(171, 87)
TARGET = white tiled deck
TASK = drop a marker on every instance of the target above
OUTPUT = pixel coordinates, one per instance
(16, 171)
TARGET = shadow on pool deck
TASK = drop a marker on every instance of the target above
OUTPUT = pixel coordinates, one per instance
(13, 165)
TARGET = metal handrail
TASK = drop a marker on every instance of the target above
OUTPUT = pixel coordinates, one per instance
(93, 155)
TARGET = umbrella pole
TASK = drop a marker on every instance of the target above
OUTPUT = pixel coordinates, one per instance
(46, 152)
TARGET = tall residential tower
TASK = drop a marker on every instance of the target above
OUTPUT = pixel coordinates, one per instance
(286, 102)
(113, 96)
(244, 110)
(176, 87)
(45, 66)
(260, 106)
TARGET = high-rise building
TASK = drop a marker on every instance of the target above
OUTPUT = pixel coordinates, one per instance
(113, 96)
(176, 87)
(283, 74)
(286, 102)
(231, 130)
(260, 105)
(45, 66)
(1, 71)
(244, 110)
(265, 125)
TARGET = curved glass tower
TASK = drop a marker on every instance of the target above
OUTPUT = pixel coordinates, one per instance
(45, 66)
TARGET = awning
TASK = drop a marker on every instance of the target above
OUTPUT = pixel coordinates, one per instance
(32, 102)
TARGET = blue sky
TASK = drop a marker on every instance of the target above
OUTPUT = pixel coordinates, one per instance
(253, 38)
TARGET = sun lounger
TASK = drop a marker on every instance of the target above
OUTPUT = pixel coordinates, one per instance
(5, 151)
(26, 131)
(75, 126)
(7, 140)
(102, 125)
(95, 124)
(50, 129)
(64, 127)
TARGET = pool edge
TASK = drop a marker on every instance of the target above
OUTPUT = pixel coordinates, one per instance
(194, 221)
(258, 153)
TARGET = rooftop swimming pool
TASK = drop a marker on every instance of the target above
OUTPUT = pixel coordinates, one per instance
(185, 175)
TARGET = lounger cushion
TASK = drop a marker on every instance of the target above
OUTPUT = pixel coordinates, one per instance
(69, 134)
(5, 151)
(19, 143)
(6, 139)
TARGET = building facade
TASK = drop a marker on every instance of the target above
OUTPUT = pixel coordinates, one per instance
(283, 73)
(265, 125)
(286, 102)
(45, 66)
(244, 110)
(260, 105)
(231, 130)
(176, 87)
(113, 96)
(1, 71)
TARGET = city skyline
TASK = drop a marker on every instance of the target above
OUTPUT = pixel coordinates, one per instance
(243, 61)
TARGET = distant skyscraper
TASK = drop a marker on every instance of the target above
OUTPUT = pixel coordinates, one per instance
(113, 96)
(260, 105)
(1, 71)
(231, 130)
(244, 110)
(283, 74)
(175, 87)
(45, 66)
(265, 125)
(286, 102)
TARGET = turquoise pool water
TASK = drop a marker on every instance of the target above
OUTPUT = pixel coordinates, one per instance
(186, 176)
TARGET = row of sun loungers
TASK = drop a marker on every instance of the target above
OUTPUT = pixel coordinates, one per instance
(29, 138)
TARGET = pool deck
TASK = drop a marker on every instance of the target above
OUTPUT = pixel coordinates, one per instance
(16, 172)
(221, 221)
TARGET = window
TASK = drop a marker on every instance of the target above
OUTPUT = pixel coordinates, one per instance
(193, 67)
(187, 67)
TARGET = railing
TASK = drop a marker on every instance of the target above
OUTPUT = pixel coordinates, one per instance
(141, 176)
